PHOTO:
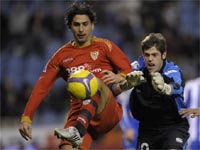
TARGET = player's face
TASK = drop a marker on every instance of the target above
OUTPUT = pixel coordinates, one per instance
(81, 28)
(153, 59)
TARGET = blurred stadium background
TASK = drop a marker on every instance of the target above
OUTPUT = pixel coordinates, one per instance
(32, 30)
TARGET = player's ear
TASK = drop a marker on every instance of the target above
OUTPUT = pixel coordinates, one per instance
(164, 55)
(92, 26)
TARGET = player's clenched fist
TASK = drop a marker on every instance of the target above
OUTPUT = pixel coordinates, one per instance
(159, 84)
(134, 78)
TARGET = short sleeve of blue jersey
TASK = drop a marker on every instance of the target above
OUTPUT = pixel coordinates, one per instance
(173, 71)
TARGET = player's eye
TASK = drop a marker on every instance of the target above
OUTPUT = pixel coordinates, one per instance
(155, 54)
(85, 23)
(76, 24)
(146, 54)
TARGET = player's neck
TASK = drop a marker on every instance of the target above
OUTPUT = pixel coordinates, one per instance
(81, 45)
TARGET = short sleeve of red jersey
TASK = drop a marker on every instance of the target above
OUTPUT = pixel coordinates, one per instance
(119, 59)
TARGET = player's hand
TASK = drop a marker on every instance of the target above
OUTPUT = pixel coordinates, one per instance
(194, 112)
(110, 77)
(159, 84)
(26, 130)
(134, 78)
(129, 134)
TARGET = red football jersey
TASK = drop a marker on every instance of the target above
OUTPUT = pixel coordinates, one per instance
(101, 54)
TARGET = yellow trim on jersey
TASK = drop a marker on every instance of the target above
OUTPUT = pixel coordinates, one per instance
(122, 75)
(26, 119)
(105, 41)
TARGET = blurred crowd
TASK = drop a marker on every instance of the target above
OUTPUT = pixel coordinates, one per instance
(31, 31)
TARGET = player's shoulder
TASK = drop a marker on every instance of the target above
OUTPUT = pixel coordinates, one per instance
(138, 64)
(103, 41)
(61, 50)
(65, 47)
(171, 66)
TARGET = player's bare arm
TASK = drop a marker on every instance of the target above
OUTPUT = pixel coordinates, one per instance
(121, 82)
(110, 77)
(194, 112)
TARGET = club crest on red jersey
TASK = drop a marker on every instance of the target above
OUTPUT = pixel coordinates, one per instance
(94, 55)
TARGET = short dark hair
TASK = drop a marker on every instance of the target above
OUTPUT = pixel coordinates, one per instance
(80, 8)
(154, 39)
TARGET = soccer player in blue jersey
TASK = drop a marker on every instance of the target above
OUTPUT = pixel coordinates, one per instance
(157, 98)
(192, 98)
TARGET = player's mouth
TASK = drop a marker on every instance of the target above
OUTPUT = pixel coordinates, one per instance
(81, 36)
(151, 66)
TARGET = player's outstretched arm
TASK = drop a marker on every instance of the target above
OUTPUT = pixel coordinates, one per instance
(26, 128)
(132, 79)
(194, 112)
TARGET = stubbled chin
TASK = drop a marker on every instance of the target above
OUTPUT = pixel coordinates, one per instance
(81, 41)
(150, 69)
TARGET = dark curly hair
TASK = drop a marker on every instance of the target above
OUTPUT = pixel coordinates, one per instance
(81, 8)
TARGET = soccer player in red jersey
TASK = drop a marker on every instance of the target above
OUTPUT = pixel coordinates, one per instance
(87, 119)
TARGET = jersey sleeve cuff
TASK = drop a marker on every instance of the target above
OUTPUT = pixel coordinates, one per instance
(122, 75)
(26, 119)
